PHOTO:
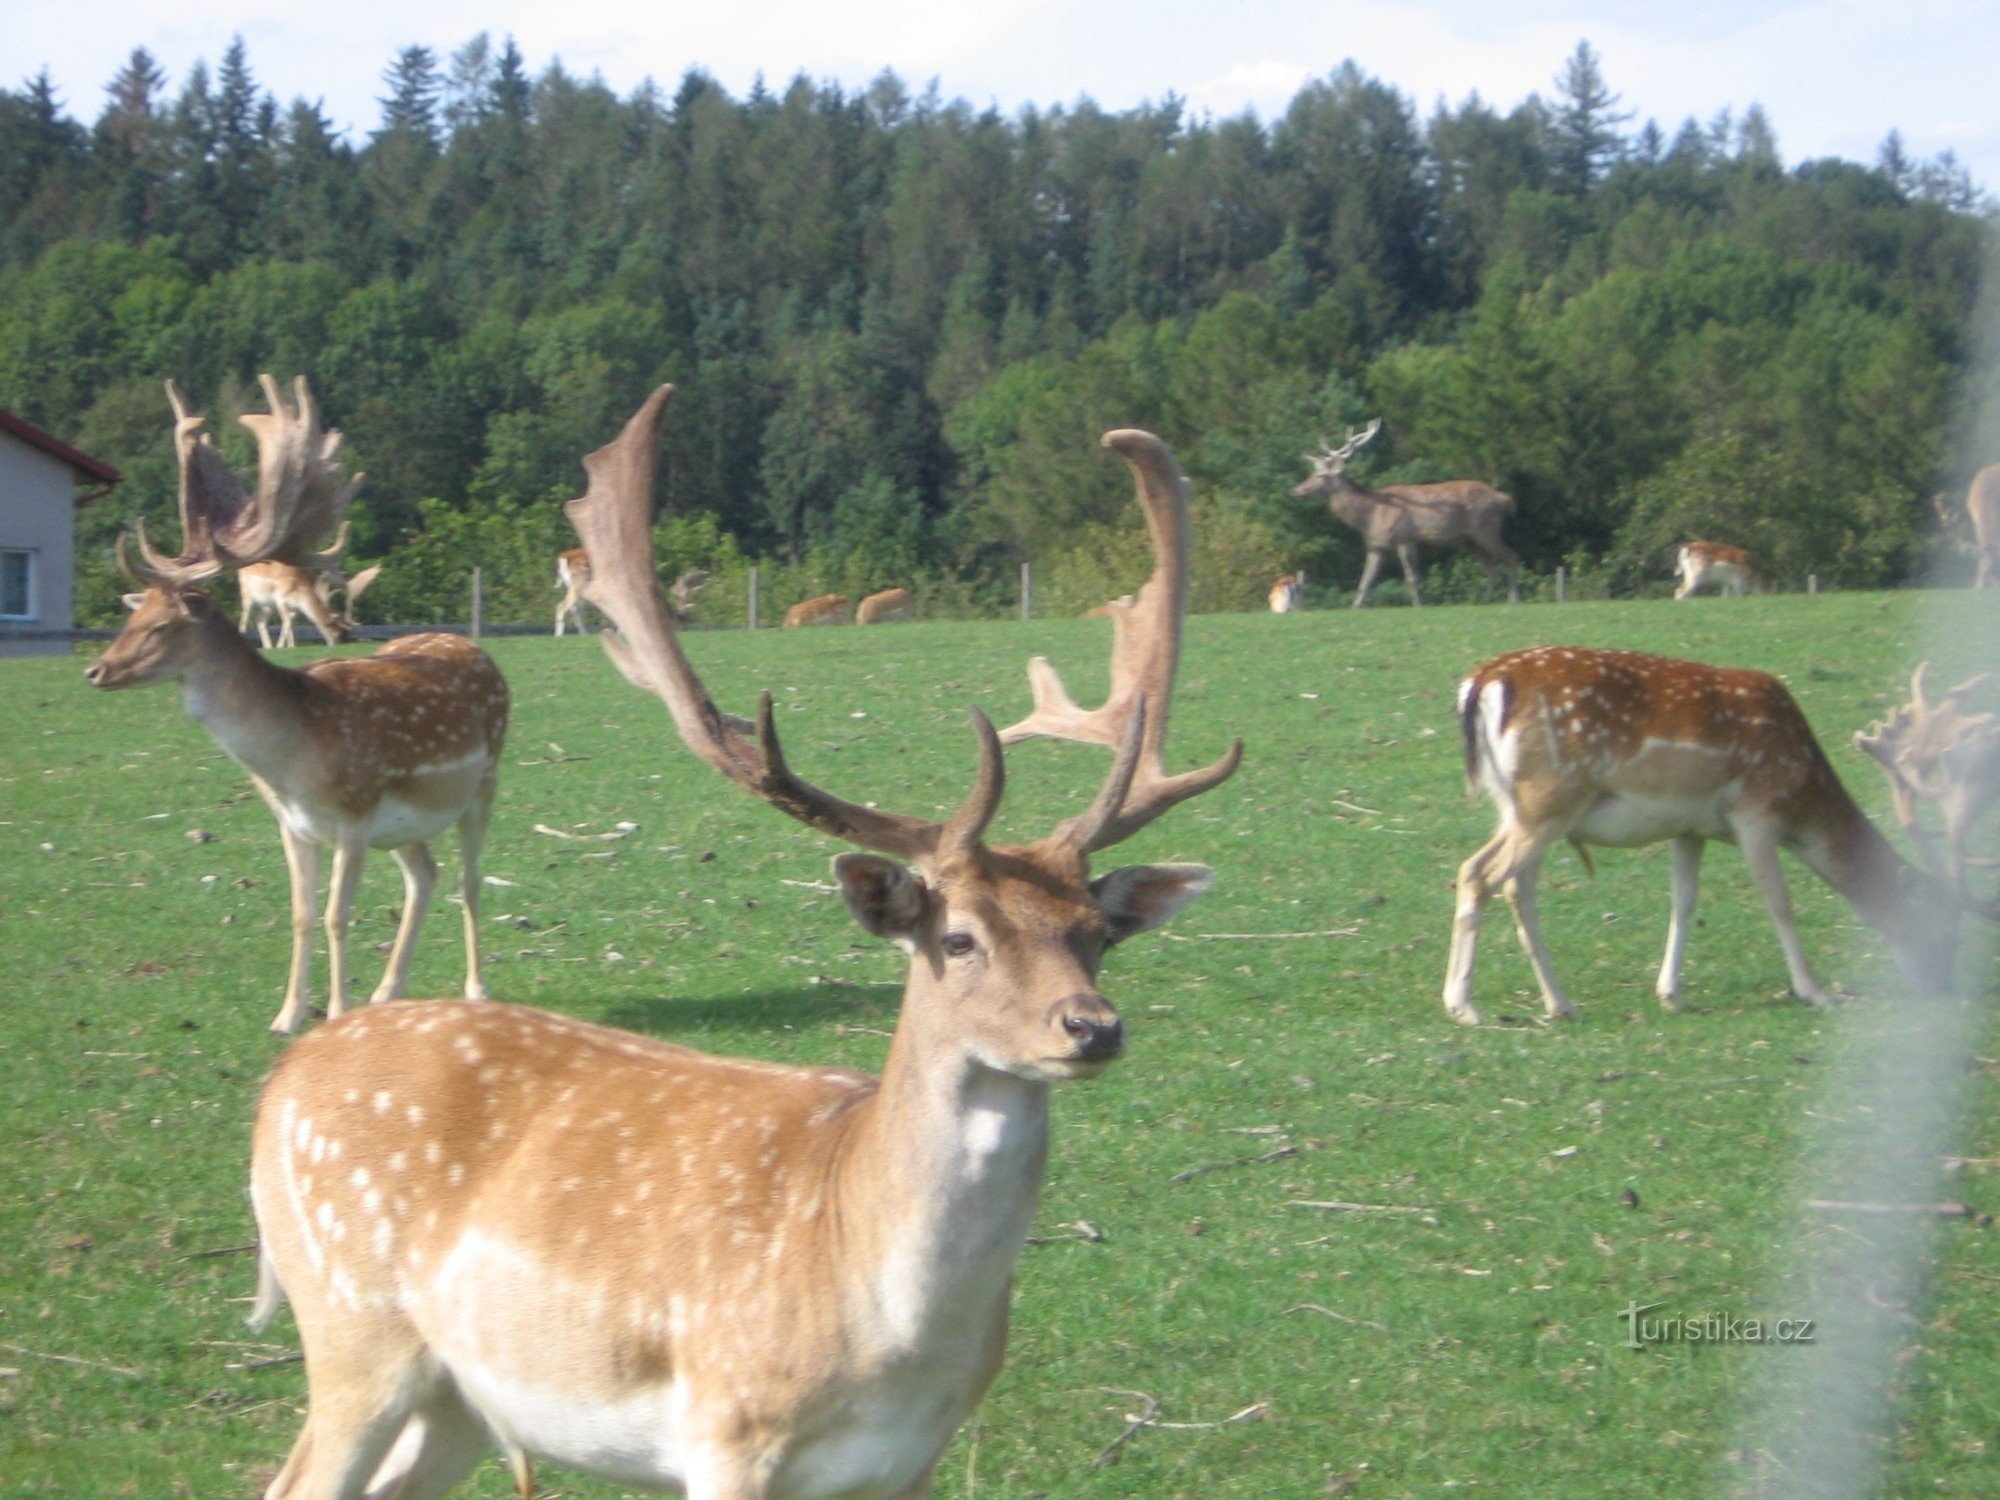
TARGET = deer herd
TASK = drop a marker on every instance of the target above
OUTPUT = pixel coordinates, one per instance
(499, 1227)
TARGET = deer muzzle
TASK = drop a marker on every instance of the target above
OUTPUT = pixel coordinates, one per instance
(1092, 1027)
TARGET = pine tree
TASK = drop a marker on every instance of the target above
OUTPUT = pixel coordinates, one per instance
(1583, 128)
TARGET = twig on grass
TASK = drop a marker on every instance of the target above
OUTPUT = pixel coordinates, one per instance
(223, 1250)
(1338, 1317)
(68, 1359)
(1082, 1229)
(1339, 1205)
(265, 1364)
(1946, 1210)
(1258, 937)
(1137, 1422)
(1243, 1161)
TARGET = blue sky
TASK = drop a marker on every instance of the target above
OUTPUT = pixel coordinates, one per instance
(1834, 75)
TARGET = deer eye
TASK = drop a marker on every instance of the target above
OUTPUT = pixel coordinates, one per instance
(958, 944)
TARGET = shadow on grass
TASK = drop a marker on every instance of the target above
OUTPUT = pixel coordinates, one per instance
(694, 1017)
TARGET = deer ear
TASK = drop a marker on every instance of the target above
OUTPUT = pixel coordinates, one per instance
(885, 897)
(1139, 898)
(131, 601)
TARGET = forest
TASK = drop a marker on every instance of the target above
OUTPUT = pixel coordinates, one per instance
(899, 322)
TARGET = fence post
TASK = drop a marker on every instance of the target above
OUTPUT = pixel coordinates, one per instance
(478, 599)
(1027, 591)
(1812, 583)
(1562, 584)
(753, 598)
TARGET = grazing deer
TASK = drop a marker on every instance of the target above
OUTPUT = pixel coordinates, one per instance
(1943, 756)
(1623, 749)
(1402, 517)
(384, 752)
(890, 604)
(1288, 594)
(286, 591)
(573, 574)
(1730, 569)
(827, 609)
(1109, 609)
(734, 1279)
(1982, 509)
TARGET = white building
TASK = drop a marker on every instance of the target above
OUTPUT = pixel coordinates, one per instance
(39, 480)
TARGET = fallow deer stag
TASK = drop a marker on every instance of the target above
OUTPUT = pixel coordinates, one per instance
(1288, 594)
(827, 609)
(286, 591)
(573, 575)
(384, 752)
(889, 604)
(1623, 749)
(1941, 755)
(735, 1279)
(1982, 509)
(1402, 517)
(1730, 570)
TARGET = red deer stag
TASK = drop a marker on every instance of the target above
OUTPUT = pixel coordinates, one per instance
(1402, 517)
(1623, 749)
(827, 609)
(890, 604)
(286, 591)
(1730, 570)
(738, 1280)
(384, 752)
(1288, 594)
(1944, 756)
(1982, 509)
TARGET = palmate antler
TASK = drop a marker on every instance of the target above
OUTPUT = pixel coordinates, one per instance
(1145, 655)
(301, 496)
(1941, 755)
(614, 521)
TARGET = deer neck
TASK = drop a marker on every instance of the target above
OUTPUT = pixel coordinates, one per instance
(1351, 502)
(249, 703)
(1850, 854)
(950, 1161)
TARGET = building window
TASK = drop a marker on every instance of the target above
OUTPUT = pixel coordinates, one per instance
(17, 585)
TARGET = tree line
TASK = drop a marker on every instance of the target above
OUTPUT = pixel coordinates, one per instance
(899, 322)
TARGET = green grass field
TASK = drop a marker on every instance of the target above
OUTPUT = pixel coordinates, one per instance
(1469, 1343)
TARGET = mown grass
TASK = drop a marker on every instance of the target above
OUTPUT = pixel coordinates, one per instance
(142, 966)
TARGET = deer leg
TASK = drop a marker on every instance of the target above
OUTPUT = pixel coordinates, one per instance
(358, 1404)
(1498, 554)
(471, 836)
(1687, 884)
(1407, 555)
(1759, 844)
(264, 627)
(1475, 888)
(348, 855)
(1521, 895)
(439, 1445)
(419, 869)
(1368, 571)
(302, 863)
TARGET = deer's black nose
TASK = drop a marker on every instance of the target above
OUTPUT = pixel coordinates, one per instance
(1097, 1040)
